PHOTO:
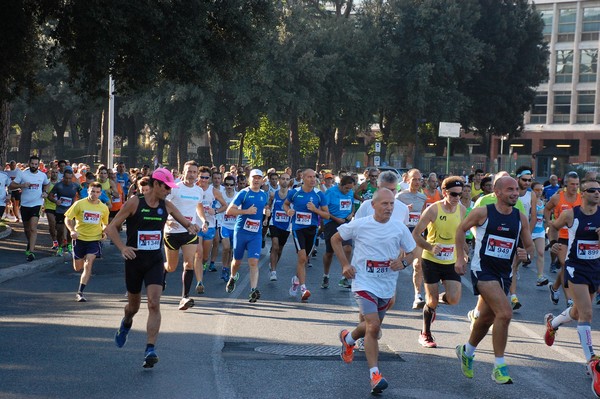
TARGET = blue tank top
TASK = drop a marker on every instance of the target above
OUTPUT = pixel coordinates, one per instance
(303, 217)
(279, 218)
(583, 239)
(539, 218)
(496, 241)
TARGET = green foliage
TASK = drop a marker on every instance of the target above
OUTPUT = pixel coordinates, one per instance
(264, 145)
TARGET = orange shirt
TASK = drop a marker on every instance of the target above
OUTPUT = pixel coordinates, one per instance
(562, 205)
(117, 203)
(436, 196)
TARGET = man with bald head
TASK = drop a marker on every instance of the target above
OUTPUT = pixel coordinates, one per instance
(308, 206)
(498, 229)
(374, 269)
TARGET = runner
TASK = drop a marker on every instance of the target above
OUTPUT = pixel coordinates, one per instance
(217, 183)
(280, 224)
(15, 194)
(539, 234)
(308, 205)
(33, 184)
(367, 188)
(476, 189)
(339, 202)
(50, 209)
(123, 178)
(187, 199)
(432, 190)
(583, 274)
(248, 207)
(4, 196)
(227, 228)
(86, 220)
(498, 227)
(64, 194)
(414, 198)
(146, 217)
(374, 269)
(441, 220)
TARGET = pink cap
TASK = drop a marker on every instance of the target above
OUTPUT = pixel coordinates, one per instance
(165, 176)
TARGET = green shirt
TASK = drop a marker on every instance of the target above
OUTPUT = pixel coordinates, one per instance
(491, 199)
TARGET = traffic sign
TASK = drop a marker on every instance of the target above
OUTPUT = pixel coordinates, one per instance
(378, 146)
(377, 160)
(449, 129)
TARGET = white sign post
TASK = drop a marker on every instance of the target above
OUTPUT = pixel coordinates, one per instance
(449, 129)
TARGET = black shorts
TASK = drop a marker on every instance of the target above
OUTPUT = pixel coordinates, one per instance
(50, 211)
(488, 274)
(329, 231)
(175, 241)
(60, 218)
(582, 274)
(304, 239)
(112, 214)
(2, 208)
(563, 241)
(16, 195)
(434, 272)
(30, 212)
(82, 248)
(280, 234)
(145, 268)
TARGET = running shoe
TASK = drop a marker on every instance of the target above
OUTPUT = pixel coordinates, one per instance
(254, 295)
(272, 275)
(514, 301)
(230, 287)
(466, 362)
(211, 267)
(360, 344)
(79, 297)
(30, 256)
(550, 334)
(150, 358)
(305, 294)
(569, 303)
(121, 335)
(418, 303)
(426, 340)
(593, 370)
(205, 266)
(541, 281)
(500, 374)
(59, 251)
(186, 303)
(54, 245)
(225, 274)
(70, 248)
(347, 352)
(200, 287)
(378, 383)
(554, 295)
(554, 267)
(344, 283)
(294, 288)
(471, 316)
(325, 283)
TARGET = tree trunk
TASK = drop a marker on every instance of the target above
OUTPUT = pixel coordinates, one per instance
(160, 147)
(104, 139)
(338, 147)
(92, 146)
(294, 144)
(173, 147)
(324, 148)
(26, 136)
(4, 130)
(74, 132)
(241, 151)
(182, 149)
(132, 136)
(60, 129)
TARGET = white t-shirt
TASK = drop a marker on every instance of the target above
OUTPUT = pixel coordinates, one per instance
(4, 183)
(207, 202)
(228, 221)
(400, 212)
(375, 245)
(186, 200)
(219, 216)
(32, 195)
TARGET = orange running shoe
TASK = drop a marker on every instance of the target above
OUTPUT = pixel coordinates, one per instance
(550, 331)
(347, 353)
(378, 383)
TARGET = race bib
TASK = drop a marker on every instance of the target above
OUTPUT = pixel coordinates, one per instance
(65, 201)
(539, 221)
(252, 225)
(304, 218)
(378, 266)
(447, 252)
(588, 250)
(281, 217)
(413, 218)
(34, 186)
(190, 218)
(116, 200)
(91, 217)
(345, 204)
(149, 240)
(499, 247)
(229, 218)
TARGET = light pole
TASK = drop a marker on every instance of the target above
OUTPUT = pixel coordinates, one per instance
(417, 122)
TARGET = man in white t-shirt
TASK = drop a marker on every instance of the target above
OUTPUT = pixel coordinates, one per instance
(33, 183)
(374, 269)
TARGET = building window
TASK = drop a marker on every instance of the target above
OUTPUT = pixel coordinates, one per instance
(539, 108)
(566, 25)
(591, 24)
(588, 65)
(547, 18)
(585, 106)
(562, 107)
(564, 66)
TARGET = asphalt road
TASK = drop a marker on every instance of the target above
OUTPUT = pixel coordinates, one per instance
(225, 347)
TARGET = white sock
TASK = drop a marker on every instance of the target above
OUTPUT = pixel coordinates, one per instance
(470, 349)
(349, 339)
(584, 330)
(373, 370)
(326, 275)
(476, 312)
(303, 287)
(563, 318)
(513, 296)
(499, 361)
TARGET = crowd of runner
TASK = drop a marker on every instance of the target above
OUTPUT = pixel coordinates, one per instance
(485, 225)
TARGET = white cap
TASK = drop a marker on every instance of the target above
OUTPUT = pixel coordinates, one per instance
(256, 172)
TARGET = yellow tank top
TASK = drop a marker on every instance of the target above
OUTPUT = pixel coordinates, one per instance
(49, 205)
(443, 232)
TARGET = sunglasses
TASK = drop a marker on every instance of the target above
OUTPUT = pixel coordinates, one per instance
(205, 177)
(592, 190)
(526, 180)
(229, 184)
(453, 194)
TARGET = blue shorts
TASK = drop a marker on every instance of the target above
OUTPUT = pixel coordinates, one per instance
(242, 242)
(587, 274)
(504, 279)
(369, 303)
(82, 248)
(226, 233)
(209, 235)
